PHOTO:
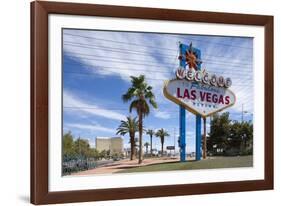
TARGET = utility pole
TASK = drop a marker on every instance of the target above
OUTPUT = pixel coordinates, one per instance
(79, 148)
(242, 113)
(210, 122)
(174, 140)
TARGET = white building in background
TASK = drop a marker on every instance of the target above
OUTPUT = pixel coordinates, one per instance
(113, 144)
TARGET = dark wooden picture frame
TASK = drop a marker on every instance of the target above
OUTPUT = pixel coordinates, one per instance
(39, 102)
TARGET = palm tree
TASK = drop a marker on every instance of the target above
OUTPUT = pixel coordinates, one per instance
(130, 126)
(162, 134)
(140, 93)
(146, 147)
(150, 132)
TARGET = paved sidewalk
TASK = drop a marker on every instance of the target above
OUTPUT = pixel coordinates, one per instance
(125, 164)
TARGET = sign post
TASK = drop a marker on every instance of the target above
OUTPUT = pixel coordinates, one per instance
(182, 114)
(204, 139)
(198, 138)
(192, 57)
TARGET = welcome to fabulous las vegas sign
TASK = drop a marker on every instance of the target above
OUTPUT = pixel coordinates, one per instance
(199, 92)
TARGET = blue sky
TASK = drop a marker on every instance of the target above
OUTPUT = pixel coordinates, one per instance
(97, 66)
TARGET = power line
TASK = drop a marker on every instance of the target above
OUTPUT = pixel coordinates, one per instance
(134, 63)
(97, 108)
(178, 37)
(145, 53)
(118, 50)
(153, 71)
(131, 62)
(94, 74)
(123, 109)
(121, 51)
(209, 42)
(119, 42)
(112, 57)
(225, 73)
(137, 60)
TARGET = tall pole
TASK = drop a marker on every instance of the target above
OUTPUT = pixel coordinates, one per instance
(242, 118)
(198, 122)
(182, 114)
(204, 140)
(198, 138)
(174, 140)
(79, 148)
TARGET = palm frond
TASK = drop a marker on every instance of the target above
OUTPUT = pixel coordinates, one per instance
(129, 126)
(153, 103)
(134, 105)
(150, 132)
(129, 94)
(162, 133)
(146, 108)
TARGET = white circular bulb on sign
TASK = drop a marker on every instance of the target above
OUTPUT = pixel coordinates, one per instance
(190, 75)
(213, 80)
(198, 76)
(228, 82)
(180, 73)
(205, 79)
(220, 81)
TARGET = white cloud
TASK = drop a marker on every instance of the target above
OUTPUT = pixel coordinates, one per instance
(116, 61)
(156, 64)
(73, 104)
(90, 127)
(162, 115)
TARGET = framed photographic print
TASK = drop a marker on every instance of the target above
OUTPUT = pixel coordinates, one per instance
(131, 102)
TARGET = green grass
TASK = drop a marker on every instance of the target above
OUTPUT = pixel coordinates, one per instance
(218, 162)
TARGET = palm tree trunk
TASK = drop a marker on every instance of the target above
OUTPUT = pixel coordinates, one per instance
(162, 145)
(140, 137)
(151, 145)
(132, 148)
